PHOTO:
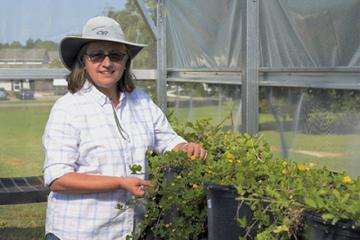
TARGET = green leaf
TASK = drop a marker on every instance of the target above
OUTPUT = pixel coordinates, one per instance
(242, 222)
(327, 216)
(282, 228)
(310, 202)
(337, 194)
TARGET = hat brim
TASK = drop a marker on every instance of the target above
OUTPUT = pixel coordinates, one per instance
(70, 47)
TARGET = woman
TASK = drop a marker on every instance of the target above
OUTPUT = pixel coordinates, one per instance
(96, 132)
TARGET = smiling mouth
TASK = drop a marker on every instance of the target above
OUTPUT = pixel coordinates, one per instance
(106, 72)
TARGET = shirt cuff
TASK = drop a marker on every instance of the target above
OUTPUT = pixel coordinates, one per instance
(175, 141)
(54, 172)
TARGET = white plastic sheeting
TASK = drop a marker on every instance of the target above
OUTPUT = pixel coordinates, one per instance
(204, 33)
(307, 33)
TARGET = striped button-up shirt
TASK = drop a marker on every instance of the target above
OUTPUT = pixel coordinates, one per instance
(82, 136)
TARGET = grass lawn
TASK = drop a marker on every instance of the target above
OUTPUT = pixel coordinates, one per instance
(21, 153)
(337, 152)
(22, 221)
(215, 113)
(20, 140)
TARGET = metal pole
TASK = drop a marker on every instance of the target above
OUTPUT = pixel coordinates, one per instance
(161, 55)
(250, 80)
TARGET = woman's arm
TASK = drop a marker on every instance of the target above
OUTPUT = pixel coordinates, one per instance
(76, 183)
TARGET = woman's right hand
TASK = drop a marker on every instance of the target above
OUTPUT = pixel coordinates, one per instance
(135, 185)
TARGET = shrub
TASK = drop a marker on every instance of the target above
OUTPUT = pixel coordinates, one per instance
(278, 191)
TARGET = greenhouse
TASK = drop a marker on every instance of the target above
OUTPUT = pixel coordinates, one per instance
(265, 95)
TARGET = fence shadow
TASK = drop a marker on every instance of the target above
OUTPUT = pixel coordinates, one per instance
(19, 233)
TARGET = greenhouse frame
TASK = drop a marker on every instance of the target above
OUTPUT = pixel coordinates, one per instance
(259, 44)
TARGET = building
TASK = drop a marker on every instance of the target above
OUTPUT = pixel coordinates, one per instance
(26, 58)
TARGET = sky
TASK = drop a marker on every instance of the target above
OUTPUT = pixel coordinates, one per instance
(48, 19)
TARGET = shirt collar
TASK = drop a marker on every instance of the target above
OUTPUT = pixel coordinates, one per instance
(90, 90)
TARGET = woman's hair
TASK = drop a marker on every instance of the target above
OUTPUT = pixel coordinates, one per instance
(78, 76)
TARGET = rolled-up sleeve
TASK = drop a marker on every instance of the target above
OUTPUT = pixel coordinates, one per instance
(60, 143)
(165, 137)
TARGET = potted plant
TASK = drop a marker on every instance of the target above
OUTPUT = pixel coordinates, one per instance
(284, 198)
(176, 204)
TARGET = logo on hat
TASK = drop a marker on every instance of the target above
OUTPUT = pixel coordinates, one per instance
(101, 32)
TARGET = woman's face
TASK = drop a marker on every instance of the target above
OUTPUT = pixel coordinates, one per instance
(105, 64)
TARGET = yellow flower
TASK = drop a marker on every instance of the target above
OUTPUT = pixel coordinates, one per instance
(347, 179)
(189, 174)
(193, 157)
(301, 167)
(178, 177)
(167, 225)
(194, 186)
(312, 165)
(284, 172)
(284, 163)
(229, 156)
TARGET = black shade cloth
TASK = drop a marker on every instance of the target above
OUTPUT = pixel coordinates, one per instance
(15, 190)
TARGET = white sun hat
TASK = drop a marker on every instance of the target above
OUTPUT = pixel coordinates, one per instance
(96, 29)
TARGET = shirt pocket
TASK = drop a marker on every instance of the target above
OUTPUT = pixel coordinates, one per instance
(96, 145)
(142, 139)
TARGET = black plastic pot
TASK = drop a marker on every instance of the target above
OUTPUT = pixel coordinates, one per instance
(315, 228)
(170, 215)
(223, 213)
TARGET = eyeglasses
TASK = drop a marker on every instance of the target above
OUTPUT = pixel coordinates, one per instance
(98, 57)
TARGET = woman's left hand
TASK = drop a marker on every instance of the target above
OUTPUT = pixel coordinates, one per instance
(192, 150)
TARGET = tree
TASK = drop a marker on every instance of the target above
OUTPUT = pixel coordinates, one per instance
(4, 45)
(15, 44)
(136, 30)
(49, 45)
(30, 43)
